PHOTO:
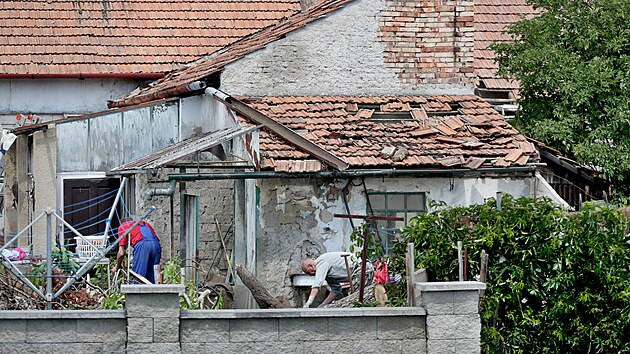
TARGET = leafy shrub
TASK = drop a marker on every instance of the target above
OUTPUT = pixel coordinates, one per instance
(557, 282)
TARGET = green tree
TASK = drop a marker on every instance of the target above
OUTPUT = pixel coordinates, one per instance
(573, 64)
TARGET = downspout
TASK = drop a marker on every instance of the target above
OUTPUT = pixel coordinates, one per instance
(161, 191)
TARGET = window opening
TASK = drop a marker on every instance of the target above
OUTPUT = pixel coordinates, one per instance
(397, 204)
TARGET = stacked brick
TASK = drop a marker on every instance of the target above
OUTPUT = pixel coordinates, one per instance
(429, 42)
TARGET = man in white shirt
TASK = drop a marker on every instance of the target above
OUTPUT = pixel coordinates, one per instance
(330, 267)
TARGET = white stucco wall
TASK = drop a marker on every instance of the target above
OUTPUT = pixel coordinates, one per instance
(337, 55)
(52, 98)
(296, 215)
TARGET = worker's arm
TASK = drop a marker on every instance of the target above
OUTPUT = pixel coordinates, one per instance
(332, 296)
(311, 297)
(119, 258)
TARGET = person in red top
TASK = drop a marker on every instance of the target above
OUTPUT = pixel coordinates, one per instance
(146, 248)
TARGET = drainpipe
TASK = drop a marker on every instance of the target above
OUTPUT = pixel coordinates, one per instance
(161, 191)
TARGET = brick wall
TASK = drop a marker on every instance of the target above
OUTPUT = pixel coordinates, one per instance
(429, 42)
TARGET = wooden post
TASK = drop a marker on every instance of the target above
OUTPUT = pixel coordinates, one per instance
(410, 265)
(366, 245)
(345, 258)
(483, 270)
(460, 261)
(157, 274)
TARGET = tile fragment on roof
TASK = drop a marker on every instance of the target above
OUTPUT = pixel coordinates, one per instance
(514, 155)
(451, 161)
(474, 163)
(445, 129)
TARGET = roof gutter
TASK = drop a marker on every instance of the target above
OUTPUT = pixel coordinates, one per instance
(349, 174)
(175, 91)
(280, 129)
(143, 76)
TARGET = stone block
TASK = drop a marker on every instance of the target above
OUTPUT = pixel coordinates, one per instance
(77, 348)
(414, 346)
(139, 330)
(453, 327)
(437, 302)
(292, 329)
(466, 302)
(259, 347)
(152, 305)
(197, 348)
(166, 330)
(12, 331)
(254, 330)
(50, 331)
(101, 331)
(152, 348)
(411, 327)
(352, 345)
(441, 346)
(196, 331)
(467, 346)
(341, 328)
(25, 348)
(114, 348)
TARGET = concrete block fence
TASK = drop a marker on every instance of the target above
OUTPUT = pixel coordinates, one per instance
(445, 320)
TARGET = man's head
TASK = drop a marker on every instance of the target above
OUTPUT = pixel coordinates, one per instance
(308, 266)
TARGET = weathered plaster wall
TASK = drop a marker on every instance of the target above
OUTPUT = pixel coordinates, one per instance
(46, 97)
(16, 190)
(341, 54)
(44, 175)
(296, 215)
(216, 200)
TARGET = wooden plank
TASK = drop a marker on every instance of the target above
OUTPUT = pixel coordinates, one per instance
(410, 266)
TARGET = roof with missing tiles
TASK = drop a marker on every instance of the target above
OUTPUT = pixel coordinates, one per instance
(491, 18)
(402, 132)
(94, 37)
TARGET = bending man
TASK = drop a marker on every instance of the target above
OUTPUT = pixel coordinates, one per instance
(329, 266)
(146, 248)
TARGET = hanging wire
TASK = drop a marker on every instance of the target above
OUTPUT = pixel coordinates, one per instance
(88, 206)
(102, 196)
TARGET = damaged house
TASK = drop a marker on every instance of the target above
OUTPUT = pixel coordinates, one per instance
(348, 107)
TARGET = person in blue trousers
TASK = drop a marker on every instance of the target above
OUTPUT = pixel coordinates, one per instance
(146, 248)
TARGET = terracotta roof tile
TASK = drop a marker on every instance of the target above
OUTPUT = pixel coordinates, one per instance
(491, 17)
(360, 141)
(96, 37)
(211, 65)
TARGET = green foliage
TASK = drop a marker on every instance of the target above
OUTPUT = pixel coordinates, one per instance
(113, 301)
(65, 259)
(573, 64)
(171, 274)
(357, 238)
(557, 282)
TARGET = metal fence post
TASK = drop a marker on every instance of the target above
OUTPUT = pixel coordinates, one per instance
(48, 259)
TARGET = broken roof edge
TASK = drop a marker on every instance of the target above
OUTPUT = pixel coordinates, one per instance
(44, 125)
(393, 172)
(270, 34)
(281, 130)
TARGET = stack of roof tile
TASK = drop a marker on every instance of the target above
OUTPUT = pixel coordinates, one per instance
(92, 37)
(402, 132)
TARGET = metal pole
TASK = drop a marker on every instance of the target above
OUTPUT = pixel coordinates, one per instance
(366, 241)
(108, 224)
(49, 259)
(23, 231)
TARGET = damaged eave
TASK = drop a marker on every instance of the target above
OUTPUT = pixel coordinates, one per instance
(279, 129)
(180, 150)
(509, 171)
